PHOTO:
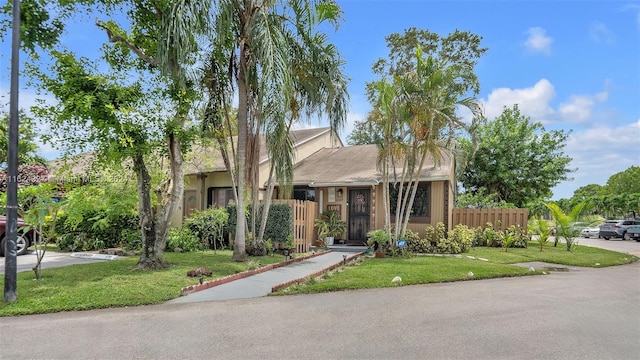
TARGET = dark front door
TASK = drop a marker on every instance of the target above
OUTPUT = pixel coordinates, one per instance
(359, 214)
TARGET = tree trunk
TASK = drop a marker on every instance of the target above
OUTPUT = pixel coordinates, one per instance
(173, 196)
(239, 250)
(149, 259)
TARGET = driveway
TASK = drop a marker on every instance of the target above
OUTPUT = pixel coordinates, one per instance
(619, 245)
(51, 259)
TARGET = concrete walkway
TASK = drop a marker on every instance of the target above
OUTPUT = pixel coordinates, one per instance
(260, 284)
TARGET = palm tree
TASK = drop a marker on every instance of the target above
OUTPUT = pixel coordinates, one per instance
(422, 106)
(265, 47)
(564, 222)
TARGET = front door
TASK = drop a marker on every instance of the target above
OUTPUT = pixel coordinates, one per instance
(359, 215)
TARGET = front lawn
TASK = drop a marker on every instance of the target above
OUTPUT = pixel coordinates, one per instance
(374, 273)
(114, 284)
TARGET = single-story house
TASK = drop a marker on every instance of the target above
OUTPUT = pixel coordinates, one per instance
(347, 180)
(336, 177)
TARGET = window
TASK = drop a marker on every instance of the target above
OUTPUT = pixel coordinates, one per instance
(421, 202)
(304, 194)
(219, 197)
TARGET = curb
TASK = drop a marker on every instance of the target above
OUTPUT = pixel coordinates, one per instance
(315, 274)
(223, 280)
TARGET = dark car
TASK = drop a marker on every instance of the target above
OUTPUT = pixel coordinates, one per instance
(23, 241)
(616, 228)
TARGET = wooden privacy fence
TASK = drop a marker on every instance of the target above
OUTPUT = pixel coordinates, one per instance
(304, 215)
(500, 218)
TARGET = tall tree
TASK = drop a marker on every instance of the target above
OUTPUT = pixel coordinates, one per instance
(365, 132)
(516, 159)
(418, 111)
(265, 48)
(624, 182)
(150, 49)
(415, 104)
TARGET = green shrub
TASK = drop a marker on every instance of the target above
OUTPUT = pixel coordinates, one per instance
(279, 221)
(459, 240)
(97, 230)
(416, 244)
(183, 239)
(520, 237)
(209, 226)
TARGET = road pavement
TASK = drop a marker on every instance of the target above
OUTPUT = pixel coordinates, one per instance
(584, 313)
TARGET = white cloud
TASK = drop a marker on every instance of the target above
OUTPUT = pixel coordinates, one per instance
(532, 101)
(580, 107)
(600, 32)
(538, 41)
(598, 153)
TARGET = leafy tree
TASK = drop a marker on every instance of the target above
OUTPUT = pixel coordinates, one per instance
(27, 147)
(134, 116)
(365, 132)
(516, 159)
(41, 216)
(624, 182)
(460, 47)
(587, 191)
(39, 28)
(481, 200)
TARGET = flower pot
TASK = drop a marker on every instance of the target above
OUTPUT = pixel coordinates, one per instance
(319, 243)
(379, 254)
(328, 240)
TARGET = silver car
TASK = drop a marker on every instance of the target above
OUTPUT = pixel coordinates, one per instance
(616, 228)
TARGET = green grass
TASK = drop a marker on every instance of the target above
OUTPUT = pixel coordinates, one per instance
(585, 256)
(115, 284)
(375, 273)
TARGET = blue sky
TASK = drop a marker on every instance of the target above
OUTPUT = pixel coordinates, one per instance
(572, 65)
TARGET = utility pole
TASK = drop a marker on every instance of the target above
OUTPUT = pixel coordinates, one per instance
(10, 255)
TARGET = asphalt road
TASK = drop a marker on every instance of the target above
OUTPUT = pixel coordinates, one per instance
(579, 314)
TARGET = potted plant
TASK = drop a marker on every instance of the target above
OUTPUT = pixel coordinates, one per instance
(330, 226)
(378, 240)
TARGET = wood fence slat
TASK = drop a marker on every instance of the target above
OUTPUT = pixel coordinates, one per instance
(500, 218)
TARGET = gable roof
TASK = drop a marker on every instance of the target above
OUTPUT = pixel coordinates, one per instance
(200, 158)
(204, 158)
(357, 166)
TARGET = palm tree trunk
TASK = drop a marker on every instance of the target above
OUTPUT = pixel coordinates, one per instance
(239, 251)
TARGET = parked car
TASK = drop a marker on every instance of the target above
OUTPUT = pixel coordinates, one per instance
(616, 228)
(23, 241)
(590, 231)
(577, 227)
(633, 232)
